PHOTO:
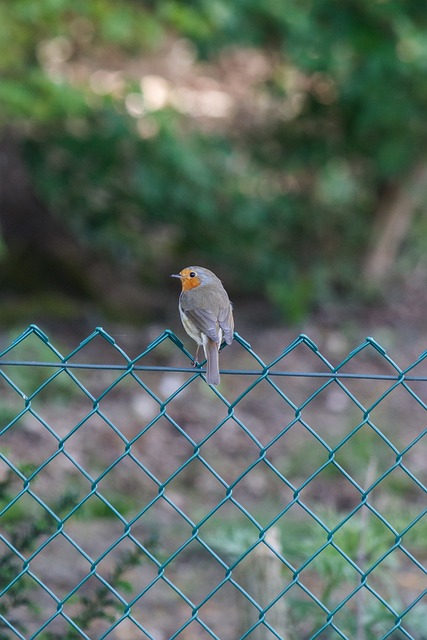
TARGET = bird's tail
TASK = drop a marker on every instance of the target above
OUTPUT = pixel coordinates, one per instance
(212, 365)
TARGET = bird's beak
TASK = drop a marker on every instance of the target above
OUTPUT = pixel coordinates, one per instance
(175, 275)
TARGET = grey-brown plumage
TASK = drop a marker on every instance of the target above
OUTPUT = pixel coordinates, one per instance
(206, 314)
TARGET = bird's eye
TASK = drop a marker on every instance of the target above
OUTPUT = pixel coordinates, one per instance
(192, 274)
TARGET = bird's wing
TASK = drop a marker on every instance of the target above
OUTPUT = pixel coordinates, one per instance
(204, 319)
(226, 322)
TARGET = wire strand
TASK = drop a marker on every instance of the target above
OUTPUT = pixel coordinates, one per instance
(245, 372)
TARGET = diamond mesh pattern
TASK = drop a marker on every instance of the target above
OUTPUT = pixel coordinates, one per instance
(137, 502)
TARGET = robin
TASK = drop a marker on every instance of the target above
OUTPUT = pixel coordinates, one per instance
(206, 314)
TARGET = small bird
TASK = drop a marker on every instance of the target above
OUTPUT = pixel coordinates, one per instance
(206, 314)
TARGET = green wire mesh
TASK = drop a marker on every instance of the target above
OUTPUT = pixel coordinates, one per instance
(138, 502)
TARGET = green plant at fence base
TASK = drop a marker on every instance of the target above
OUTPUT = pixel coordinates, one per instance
(101, 605)
(366, 541)
(26, 532)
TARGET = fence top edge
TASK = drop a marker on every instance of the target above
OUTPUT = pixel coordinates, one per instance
(265, 369)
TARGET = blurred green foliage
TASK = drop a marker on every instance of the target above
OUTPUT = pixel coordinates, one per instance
(281, 201)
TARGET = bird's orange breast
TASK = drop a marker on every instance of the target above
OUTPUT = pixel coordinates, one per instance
(190, 283)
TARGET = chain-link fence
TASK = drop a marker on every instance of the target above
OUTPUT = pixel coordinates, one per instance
(138, 502)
